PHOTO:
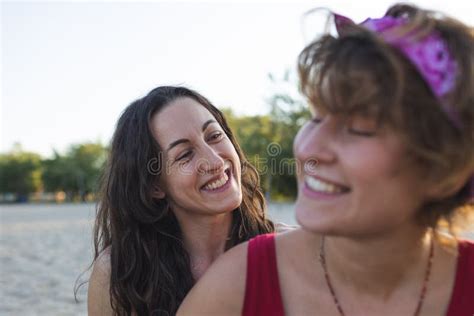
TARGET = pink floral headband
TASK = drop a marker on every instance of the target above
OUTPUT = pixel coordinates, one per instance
(429, 54)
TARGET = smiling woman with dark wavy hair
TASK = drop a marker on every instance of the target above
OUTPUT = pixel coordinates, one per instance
(177, 192)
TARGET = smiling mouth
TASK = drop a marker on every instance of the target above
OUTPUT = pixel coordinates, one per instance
(321, 186)
(215, 185)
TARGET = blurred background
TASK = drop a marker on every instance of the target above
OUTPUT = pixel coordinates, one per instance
(68, 70)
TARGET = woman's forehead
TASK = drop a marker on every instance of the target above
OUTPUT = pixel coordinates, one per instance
(182, 118)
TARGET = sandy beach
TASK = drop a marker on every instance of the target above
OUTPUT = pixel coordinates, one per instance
(44, 249)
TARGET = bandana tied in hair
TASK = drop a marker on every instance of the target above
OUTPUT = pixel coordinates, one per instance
(429, 54)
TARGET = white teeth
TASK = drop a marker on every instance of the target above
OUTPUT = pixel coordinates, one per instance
(218, 183)
(322, 186)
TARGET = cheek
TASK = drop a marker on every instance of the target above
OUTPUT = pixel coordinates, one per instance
(231, 153)
(237, 168)
(229, 149)
(182, 176)
(235, 158)
(377, 168)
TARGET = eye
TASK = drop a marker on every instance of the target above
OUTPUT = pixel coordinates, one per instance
(215, 136)
(185, 156)
(318, 116)
(318, 113)
(362, 126)
(361, 133)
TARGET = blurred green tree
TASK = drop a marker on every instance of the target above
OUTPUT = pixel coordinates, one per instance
(77, 172)
(56, 173)
(20, 173)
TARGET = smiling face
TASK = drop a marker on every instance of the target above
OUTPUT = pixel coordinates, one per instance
(202, 173)
(358, 178)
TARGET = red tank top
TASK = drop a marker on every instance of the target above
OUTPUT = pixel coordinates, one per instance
(462, 299)
(262, 290)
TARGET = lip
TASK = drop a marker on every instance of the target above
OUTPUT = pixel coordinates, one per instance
(319, 195)
(328, 181)
(228, 171)
(324, 196)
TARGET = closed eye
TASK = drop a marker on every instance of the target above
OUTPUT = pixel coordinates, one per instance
(184, 156)
(362, 126)
(361, 133)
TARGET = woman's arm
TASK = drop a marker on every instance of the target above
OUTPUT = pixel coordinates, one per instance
(221, 290)
(98, 297)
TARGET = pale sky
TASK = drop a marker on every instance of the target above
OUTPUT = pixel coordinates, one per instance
(68, 69)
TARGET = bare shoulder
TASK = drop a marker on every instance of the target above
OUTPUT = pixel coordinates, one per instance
(222, 288)
(102, 263)
(292, 238)
(293, 245)
(98, 297)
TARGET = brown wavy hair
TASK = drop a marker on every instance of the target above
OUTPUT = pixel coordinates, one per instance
(365, 75)
(150, 268)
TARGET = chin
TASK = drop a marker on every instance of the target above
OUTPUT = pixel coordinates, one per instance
(235, 202)
(311, 220)
(304, 220)
(229, 203)
(325, 224)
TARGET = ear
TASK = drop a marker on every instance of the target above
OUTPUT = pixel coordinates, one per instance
(158, 193)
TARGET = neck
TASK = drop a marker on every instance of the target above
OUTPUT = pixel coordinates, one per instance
(379, 265)
(205, 239)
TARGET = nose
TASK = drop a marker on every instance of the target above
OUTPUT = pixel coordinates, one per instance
(210, 160)
(315, 143)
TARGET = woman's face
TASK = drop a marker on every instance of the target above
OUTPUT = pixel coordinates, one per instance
(201, 170)
(355, 178)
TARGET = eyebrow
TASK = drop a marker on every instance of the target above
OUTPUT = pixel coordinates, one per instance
(184, 140)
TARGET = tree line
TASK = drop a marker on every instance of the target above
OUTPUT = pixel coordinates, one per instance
(74, 173)
(265, 139)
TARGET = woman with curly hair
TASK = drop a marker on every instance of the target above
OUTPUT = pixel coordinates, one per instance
(177, 192)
